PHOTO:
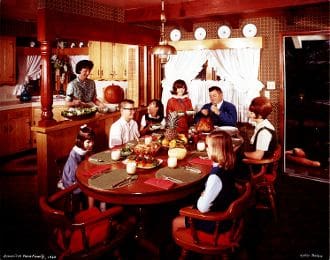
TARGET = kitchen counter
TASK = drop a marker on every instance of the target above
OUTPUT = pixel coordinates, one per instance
(35, 102)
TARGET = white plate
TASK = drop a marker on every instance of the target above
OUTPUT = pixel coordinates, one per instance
(175, 35)
(200, 33)
(229, 129)
(224, 32)
(190, 112)
(249, 30)
(155, 127)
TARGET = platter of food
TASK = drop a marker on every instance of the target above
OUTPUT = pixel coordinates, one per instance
(144, 162)
(79, 113)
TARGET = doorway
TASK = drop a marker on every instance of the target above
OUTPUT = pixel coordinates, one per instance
(306, 102)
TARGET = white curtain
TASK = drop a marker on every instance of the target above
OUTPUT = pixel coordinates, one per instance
(185, 65)
(28, 68)
(240, 69)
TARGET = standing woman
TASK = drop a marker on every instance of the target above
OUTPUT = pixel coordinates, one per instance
(181, 103)
(81, 92)
(154, 116)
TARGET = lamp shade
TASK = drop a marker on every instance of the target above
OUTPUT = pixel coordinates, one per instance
(164, 49)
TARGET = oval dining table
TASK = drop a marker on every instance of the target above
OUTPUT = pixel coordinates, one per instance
(138, 192)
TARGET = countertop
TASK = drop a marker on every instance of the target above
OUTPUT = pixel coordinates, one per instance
(35, 102)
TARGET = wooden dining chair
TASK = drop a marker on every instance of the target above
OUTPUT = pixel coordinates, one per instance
(88, 234)
(263, 175)
(216, 244)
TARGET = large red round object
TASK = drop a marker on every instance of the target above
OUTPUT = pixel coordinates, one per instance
(113, 94)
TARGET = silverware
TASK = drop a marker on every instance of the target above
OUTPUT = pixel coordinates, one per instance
(192, 169)
(124, 181)
(172, 179)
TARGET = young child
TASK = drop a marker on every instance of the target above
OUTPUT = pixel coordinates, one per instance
(264, 139)
(84, 145)
(220, 188)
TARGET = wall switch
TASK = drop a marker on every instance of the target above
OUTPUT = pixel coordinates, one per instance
(267, 94)
(270, 84)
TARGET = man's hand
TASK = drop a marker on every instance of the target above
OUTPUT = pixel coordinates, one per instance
(214, 109)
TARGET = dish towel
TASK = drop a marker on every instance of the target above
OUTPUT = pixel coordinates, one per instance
(163, 184)
(198, 160)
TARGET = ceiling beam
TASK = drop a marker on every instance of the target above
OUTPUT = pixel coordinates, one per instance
(199, 9)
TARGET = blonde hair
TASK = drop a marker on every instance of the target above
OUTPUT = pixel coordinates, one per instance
(221, 149)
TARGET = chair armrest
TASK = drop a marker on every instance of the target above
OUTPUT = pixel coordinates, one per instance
(210, 216)
(257, 162)
(112, 212)
(62, 193)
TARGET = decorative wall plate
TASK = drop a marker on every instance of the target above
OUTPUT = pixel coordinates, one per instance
(175, 35)
(200, 33)
(224, 31)
(249, 30)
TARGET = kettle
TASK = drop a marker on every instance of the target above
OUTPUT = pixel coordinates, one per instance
(25, 95)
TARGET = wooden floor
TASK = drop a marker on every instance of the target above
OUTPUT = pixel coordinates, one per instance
(302, 230)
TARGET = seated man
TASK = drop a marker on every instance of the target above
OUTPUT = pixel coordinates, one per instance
(222, 113)
(125, 129)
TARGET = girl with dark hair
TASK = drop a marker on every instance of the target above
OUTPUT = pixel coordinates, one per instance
(153, 118)
(264, 139)
(84, 145)
(181, 103)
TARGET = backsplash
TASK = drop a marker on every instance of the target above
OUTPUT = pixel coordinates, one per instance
(6, 93)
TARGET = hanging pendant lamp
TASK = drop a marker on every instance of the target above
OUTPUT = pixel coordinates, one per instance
(163, 49)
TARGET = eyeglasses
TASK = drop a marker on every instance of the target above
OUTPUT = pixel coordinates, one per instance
(129, 108)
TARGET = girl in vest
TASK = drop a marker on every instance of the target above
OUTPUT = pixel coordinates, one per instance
(220, 188)
(263, 140)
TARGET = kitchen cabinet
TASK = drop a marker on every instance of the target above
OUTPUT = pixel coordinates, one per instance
(15, 133)
(7, 60)
(110, 60)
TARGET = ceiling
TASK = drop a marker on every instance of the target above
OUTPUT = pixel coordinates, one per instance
(148, 11)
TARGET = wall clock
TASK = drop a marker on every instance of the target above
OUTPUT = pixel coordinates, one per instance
(200, 33)
(224, 31)
(249, 30)
(175, 35)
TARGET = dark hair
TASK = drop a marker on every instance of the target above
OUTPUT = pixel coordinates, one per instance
(179, 83)
(221, 146)
(85, 133)
(261, 106)
(126, 101)
(216, 88)
(84, 64)
(160, 106)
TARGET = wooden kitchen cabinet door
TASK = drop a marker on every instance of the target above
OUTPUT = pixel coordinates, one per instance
(15, 127)
(100, 53)
(7, 60)
(120, 61)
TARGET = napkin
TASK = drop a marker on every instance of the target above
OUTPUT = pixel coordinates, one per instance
(160, 183)
(198, 160)
(96, 170)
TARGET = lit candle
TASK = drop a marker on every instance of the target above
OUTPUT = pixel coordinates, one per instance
(131, 167)
(115, 154)
(172, 162)
(201, 146)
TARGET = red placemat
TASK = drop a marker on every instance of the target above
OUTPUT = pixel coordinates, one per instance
(198, 160)
(163, 184)
(96, 170)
